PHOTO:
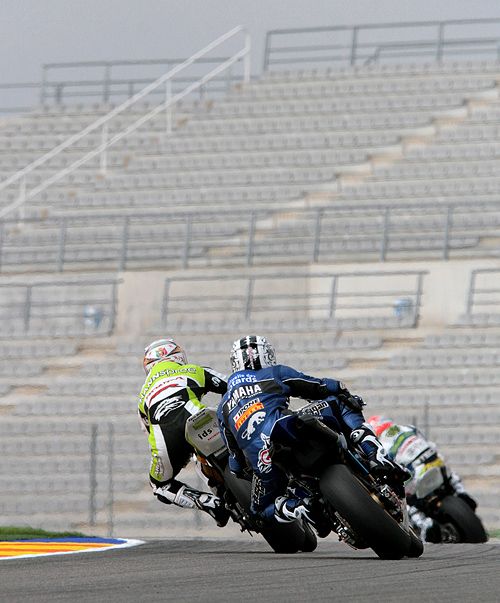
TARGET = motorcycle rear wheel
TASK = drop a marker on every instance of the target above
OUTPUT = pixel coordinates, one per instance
(367, 518)
(463, 518)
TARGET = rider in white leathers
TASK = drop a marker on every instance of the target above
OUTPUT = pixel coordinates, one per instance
(407, 445)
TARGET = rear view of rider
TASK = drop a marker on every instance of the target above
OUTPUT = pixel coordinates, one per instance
(407, 446)
(172, 393)
(259, 394)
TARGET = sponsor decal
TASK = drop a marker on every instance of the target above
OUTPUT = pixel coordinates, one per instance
(258, 490)
(398, 443)
(264, 458)
(246, 411)
(255, 419)
(157, 467)
(316, 408)
(437, 463)
(164, 373)
(244, 391)
(411, 448)
(407, 442)
(161, 387)
(168, 405)
(207, 434)
(242, 378)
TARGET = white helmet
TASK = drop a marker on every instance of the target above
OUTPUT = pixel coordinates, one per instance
(252, 352)
(163, 349)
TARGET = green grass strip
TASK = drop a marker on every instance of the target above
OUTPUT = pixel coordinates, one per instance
(24, 533)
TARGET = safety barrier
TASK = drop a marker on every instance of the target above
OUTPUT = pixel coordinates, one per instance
(251, 237)
(70, 307)
(484, 291)
(375, 43)
(307, 300)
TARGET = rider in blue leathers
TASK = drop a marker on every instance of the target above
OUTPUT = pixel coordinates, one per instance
(257, 396)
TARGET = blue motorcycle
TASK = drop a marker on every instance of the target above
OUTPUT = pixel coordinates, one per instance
(202, 432)
(322, 465)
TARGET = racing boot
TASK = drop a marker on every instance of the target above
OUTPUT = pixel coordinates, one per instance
(209, 503)
(214, 506)
(288, 509)
(456, 484)
(428, 529)
(318, 519)
(380, 466)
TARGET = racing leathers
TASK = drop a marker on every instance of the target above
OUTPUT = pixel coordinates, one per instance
(254, 401)
(407, 446)
(170, 395)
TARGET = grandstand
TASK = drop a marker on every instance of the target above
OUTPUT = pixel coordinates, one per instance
(349, 212)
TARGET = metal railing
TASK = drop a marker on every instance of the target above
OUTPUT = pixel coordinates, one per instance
(384, 299)
(88, 311)
(86, 474)
(364, 44)
(23, 97)
(378, 233)
(484, 291)
(108, 81)
(103, 123)
(104, 89)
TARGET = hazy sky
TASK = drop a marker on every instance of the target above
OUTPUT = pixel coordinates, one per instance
(33, 32)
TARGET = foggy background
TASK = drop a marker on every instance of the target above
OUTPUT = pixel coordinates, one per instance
(34, 32)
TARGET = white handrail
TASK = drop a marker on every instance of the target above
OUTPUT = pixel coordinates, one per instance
(244, 53)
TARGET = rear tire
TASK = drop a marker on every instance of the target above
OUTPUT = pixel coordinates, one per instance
(283, 538)
(366, 517)
(466, 522)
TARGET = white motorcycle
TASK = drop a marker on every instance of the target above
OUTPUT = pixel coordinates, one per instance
(435, 496)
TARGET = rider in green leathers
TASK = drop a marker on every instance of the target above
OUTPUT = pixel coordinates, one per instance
(172, 392)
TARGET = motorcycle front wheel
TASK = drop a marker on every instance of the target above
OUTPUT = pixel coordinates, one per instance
(416, 547)
(367, 518)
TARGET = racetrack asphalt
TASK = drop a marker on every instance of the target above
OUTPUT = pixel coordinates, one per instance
(239, 571)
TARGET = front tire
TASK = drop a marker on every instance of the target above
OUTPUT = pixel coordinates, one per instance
(290, 538)
(416, 547)
(463, 518)
(366, 517)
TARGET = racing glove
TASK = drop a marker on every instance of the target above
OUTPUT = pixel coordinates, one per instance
(350, 400)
